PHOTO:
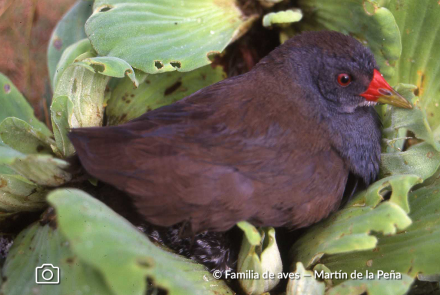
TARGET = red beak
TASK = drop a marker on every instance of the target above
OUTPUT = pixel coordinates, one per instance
(380, 91)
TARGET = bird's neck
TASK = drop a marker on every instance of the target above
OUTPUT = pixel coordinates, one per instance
(357, 137)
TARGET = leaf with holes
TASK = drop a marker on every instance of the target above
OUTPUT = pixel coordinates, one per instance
(109, 66)
(411, 251)
(127, 102)
(24, 138)
(128, 260)
(160, 36)
(282, 17)
(41, 169)
(38, 245)
(350, 228)
(368, 21)
(259, 258)
(13, 104)
(69, 30)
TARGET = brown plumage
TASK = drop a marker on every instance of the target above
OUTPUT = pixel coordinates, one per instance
(273, 146)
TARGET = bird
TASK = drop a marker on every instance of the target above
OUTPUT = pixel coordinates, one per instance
(273, 146)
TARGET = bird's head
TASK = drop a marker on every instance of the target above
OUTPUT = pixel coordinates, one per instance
(344, 71)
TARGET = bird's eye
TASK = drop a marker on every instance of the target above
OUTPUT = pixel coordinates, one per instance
(344, 80)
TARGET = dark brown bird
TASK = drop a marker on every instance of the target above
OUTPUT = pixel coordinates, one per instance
(273, 146)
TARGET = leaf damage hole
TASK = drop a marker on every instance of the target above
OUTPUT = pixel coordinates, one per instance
(99, 68)
(172, 88)
(176, 64)
(57, 43)
(7, 88)
(146, 262)
(153, 289)
(158, 64)
(105, 8)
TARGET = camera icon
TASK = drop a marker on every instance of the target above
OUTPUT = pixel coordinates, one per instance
(47, 274)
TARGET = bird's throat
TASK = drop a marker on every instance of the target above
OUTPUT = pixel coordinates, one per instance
(357, 139)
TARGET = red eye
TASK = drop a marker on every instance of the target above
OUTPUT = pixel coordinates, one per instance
(344, 80)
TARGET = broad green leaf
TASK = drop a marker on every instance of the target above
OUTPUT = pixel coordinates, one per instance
(373, 287)
(421, 159)
(282, 17)
(69, 56)
(69, 30)
(366, 20)
(168, 35)
(40, 169)
(127, 102)
(24, 138)
(305, 284)
(60, 111)
(19, 194)
(419, 24)
(414, 120)
(86, 91)
(109, 66)
(122, 254)
(410, 251)
(350, 228)
(262, 259)
(13, 104)
(37, 245)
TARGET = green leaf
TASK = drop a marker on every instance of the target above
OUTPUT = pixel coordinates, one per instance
(19, 194)
(41, 169)
(69, 30)
(411, 251)
(109, 66)
(13, 104)
(282, 17)
(24, 138)
(127, 102)
(251, 233)
(414, 120)
(37, 245)
(419, 25)
(350, 228)
(69, 56)
(305, 284)
(160, 36)
(122, 254)
(86, 91)
(373, 287)
(421, 159)
(60, 110)
(260, 259)
(372, 24)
